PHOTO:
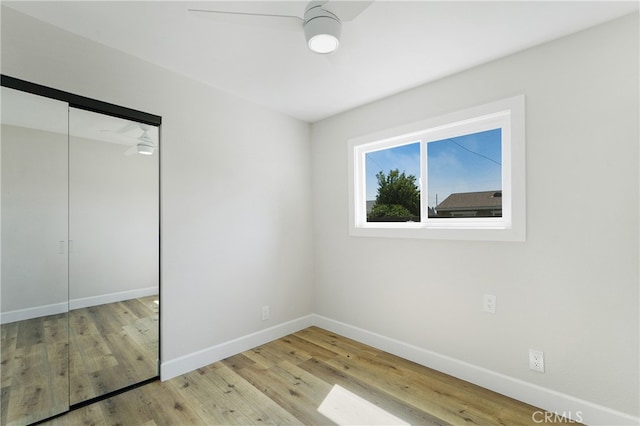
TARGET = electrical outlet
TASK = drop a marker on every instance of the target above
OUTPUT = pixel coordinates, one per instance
(489, 304)
(265, 312)
(536, 360)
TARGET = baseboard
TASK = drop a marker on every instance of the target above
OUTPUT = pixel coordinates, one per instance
(187, 363)
(547, 399)
(34, 312)
(86, 302)
(59, 308)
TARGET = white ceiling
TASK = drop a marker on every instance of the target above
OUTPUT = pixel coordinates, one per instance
(390, 47)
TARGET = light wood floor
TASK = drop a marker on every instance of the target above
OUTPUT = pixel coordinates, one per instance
(112, 346)
(49, 363)
(34, 369)
(284, 382)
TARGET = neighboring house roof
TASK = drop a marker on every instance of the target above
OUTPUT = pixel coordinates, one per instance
(471, 201)
(370, 204)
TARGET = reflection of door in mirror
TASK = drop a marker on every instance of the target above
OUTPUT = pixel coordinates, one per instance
(114, 253)
(33, 292)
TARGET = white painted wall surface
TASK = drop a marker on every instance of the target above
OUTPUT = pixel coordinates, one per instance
(237, 217)
(235, 186)
(570, 290)
(113, 220)
(34, 213)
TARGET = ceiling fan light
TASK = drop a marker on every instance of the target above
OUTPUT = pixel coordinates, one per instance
(322, 34)
(323, 43)
(145, 149)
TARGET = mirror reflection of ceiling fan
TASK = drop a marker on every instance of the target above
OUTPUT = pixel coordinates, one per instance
(143, 144)
(321, 22)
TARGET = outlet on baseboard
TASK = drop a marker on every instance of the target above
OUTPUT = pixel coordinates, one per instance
(265, 312)
(536, 360)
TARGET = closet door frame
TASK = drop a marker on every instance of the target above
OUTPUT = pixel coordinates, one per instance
(81, 102)
(89, 104)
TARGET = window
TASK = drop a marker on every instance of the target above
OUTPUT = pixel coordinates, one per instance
(459, 176)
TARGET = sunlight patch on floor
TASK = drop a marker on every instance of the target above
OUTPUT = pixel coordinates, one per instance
(346, 408)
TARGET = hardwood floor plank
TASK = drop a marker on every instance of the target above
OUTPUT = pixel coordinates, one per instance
(52, 361)
(331, 341)
(115, 411)
(486, 404)
(239, 361)
(90, 415)
(141, 307)
(511, 409)
(112, 346)
(430, 400)
(290, 391)
(34, 374)
(5, 394)
(131, 367)
(262, 359)
(144, 332)
(207, 401)
(279, 351)
(236, 397)
(56, 329)
(295, 343)
(58, 373)
(175, 408)
(387, 402)
(30, 333)
(91, 353)
(285, 381)
(34, 394)
(8, 349)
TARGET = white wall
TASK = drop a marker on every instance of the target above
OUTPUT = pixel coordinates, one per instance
(113, 222)
(235, 183)
(237, 219)
(109, 200)
(34, 213)
(571, 290)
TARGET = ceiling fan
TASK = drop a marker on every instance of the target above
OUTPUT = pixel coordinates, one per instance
(321, 22)
(143, 144)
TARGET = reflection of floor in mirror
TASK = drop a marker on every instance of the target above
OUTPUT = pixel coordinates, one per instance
(285, 382)
(100, 349)
(112, 346)
(34, 369)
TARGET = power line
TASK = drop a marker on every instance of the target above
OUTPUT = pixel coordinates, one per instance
(371, 158)
(475, 153)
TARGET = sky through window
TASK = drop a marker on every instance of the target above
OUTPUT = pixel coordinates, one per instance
(468, 163)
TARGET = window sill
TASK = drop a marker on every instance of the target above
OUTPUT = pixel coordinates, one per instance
(419, 230)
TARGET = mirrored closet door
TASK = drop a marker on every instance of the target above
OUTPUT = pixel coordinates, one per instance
(79, 294)
(34, 288)
(113, 253)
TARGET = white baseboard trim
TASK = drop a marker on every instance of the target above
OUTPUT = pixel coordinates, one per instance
(550, 400)
(547, 399)
(187, 363)
(86, 302)
(59, 308)
(35, 312)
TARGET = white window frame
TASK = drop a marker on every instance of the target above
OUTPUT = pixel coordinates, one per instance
(507, 114)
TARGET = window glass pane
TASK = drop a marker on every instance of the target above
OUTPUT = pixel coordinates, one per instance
(465, 175)
(393, 184)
